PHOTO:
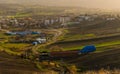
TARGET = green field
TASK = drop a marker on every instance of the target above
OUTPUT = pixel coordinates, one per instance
(11, 48)
(100, 47)
(77, 37)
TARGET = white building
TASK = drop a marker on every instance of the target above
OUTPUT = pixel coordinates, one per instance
(47, 22)
(110, 19)
(52, 21)
(41, 40)
(64, 19)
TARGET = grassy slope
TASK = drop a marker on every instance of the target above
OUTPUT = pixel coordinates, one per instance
(106, 38)
(14, 65)
(108, 59)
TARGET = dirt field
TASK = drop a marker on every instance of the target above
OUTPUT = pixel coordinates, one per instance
(8, 62)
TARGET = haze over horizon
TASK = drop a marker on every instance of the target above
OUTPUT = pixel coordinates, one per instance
(103, 4)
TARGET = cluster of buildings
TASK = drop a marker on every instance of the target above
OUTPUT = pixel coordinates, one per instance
(49, 21)
(33, 23)
(86, 18)
(61, 19)
(27, 37)
(22, 33)
(92, 18)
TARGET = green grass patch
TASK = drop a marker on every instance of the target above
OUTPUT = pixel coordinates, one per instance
(108, 44)
(13, 49)
(69, 37)
(37, 64)
(8, 51)
(22, 15)
(45, 13)
(13, 45)
(11, 52)
(2, 35)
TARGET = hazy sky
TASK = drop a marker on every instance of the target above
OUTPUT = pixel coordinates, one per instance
(111, 4)
(87, 3)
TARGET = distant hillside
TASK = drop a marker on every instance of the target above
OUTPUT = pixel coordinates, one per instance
(13, 8)
(19, 1)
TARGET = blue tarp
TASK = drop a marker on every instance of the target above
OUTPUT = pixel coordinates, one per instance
(87, 49)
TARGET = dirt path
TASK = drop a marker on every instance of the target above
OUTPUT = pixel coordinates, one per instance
(57, 33)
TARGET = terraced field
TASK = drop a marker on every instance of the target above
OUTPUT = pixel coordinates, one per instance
(108, 60)
(105, 36)
(100, 42)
